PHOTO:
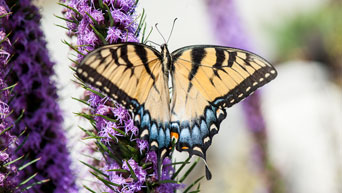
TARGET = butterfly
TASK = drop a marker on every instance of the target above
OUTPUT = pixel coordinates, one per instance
(205, 79)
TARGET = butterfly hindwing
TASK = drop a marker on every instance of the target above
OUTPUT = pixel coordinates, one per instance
(206, 79)
(131, 74)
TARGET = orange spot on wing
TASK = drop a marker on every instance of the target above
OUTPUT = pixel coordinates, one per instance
(174, 135)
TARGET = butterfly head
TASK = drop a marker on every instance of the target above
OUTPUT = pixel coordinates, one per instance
(166, 58)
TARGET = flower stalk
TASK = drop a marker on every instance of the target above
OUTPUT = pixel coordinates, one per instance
(126, 164)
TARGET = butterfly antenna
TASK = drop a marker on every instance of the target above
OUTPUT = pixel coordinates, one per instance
(173, 25)
(159, 32)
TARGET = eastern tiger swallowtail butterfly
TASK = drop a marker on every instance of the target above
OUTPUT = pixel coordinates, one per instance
(205, 80)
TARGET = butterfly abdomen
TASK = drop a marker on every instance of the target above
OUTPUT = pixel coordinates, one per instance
(166, 59)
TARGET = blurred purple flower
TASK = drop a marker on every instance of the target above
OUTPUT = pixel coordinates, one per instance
(31, 69)
(226, 23)
(230, 31)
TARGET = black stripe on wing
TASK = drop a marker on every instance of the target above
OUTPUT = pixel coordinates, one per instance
(111, 57)
(264, 74)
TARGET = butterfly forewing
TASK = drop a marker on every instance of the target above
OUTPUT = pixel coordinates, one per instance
(206, 79)
(131, 74)
(122, 71)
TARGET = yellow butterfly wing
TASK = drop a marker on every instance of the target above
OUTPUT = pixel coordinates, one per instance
(206, 79)
(131, 74)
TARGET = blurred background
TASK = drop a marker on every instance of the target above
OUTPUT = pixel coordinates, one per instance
(299, 148)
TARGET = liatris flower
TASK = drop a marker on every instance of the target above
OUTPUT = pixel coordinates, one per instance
(230, 32)
(127, 164)
(8, 172)
(40, 131)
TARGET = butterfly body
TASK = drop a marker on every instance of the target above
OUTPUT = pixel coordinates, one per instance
(205, 80)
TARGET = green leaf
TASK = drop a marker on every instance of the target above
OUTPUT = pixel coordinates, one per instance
(72, 47)
(87, 116)
(104, 148)
(68, 20)
(118, 170)
(4, 15)
(111, 20)
(141, 23)
(144, 40)
(148, 189)
(196, 191)
(95, 92)
(99, 35)
(13, 161)
(177, 163)
(81, 101)
(62, 26)
(74, 10)
(193, 184)
(106, 182)
(75, 62)
(28, 179)
(189, 170)
(95, 169)
(96, 137)
(92, 19)
(21, 145)
(20, 116)
(119, 131)
(90, 190)
(107, 118)
(132, 171)
(131, 149)
(167, 181)
(34, 184)
(5, 130)
(31, 162)
(87, 132)
(180, 168)
(9, 87)
(125, 151)
(101, 4)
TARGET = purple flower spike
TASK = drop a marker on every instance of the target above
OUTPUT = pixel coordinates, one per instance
(35, 94)
(118, 132)
(8, 174)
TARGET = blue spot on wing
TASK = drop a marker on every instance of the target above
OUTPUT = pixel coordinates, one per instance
(167, 135)
(153, 132)
(218, 101)
(210, 116)
(185, 136)
(145, 122)
(161, 138)
(204, 129)
(196, 135)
